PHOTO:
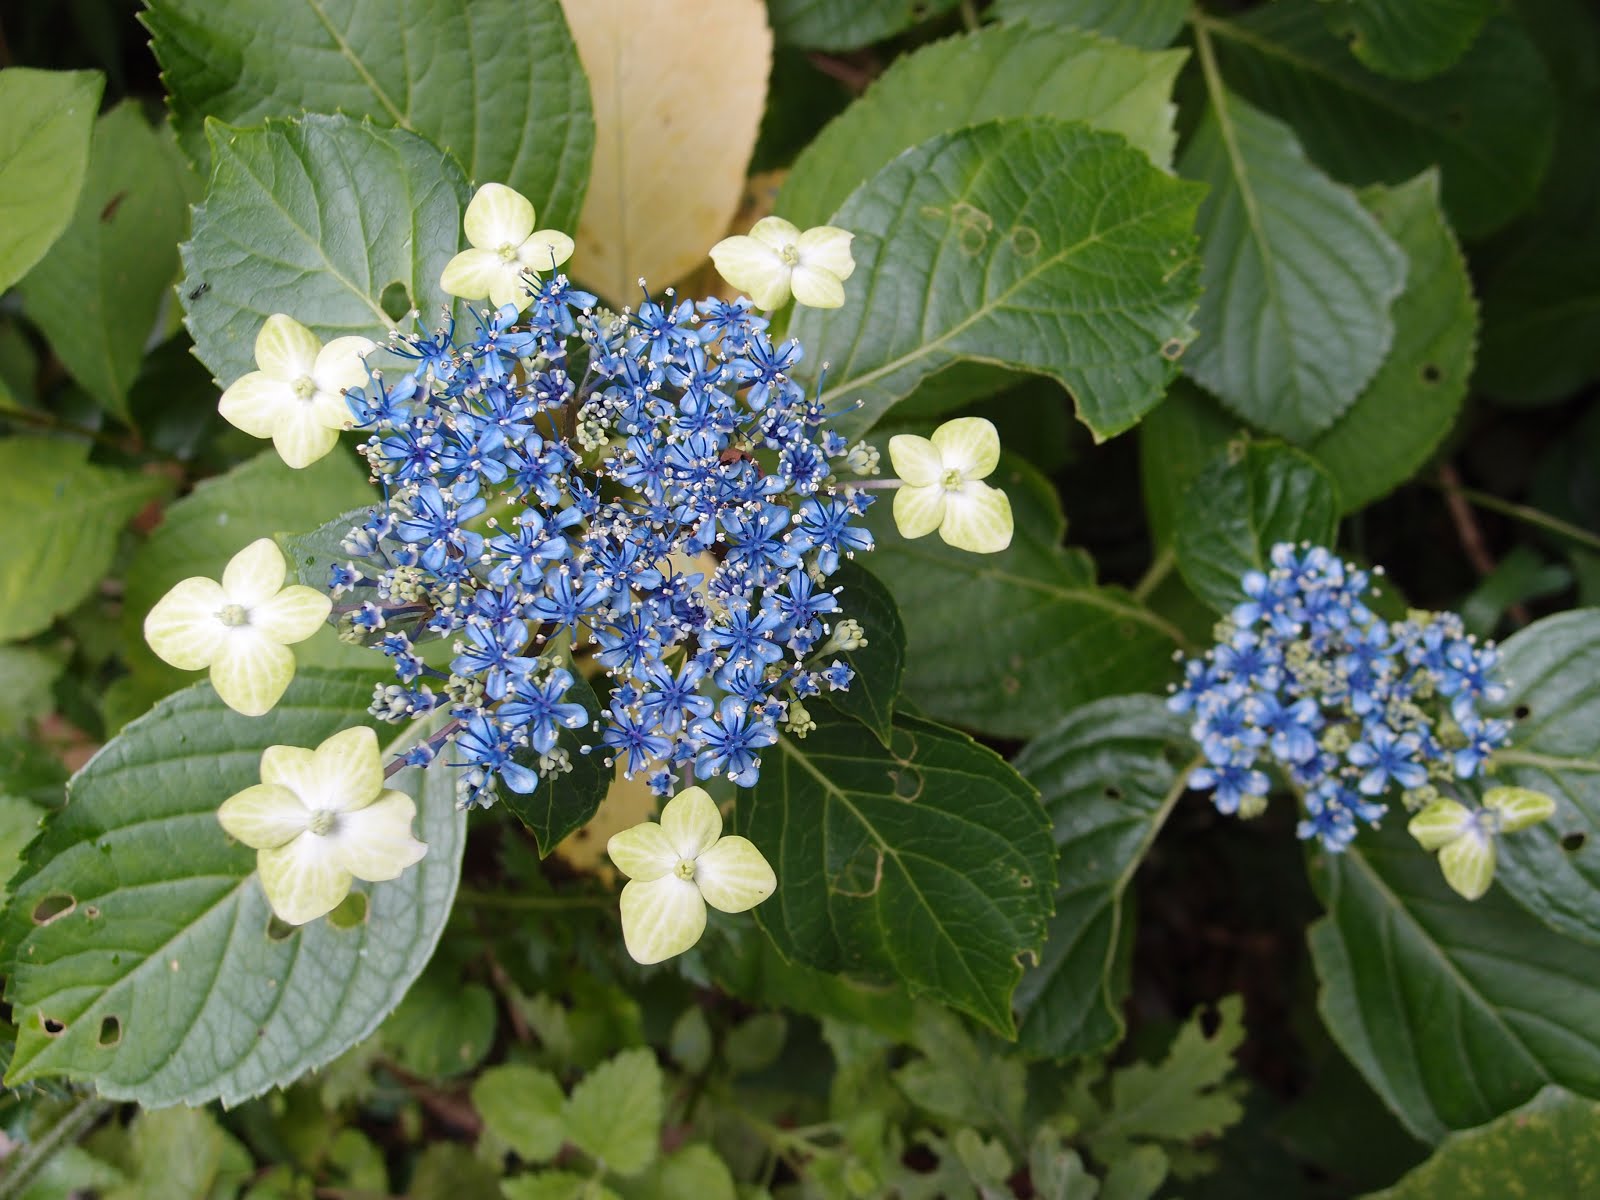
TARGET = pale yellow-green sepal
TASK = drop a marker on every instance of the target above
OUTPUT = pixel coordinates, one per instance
(643, 852)
(498, 216)
(263, 817)
(1519, 807)
(345, 771)
(293, 615)
(251, 673)
(691, 822)
(816, 288)
(969, 445)
(1441, 823)
(286, 349)
(661, 917)
(255, 573)
(374, 842)
(827, 248)
(183, 628)
(256, 402)
(300, 438)
(918, 511)
(753, 267)
(473, 274)
(1468, 864)
(733, 876)
(544, 250)
(977, 518)
(916, 460)
(304, 879)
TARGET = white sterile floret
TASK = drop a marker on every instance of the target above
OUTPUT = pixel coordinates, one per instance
(678, 867)
(241, 628)
(1465, 837)
(506, 249)
(941, 489)
(297, 396)
(320, 819)
(775, 258)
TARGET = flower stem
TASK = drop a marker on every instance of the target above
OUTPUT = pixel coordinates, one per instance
(1160, 567)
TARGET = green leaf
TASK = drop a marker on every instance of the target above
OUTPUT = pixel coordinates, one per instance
(929, 862)
(1487, 123)
(97, 293)
(961, 1083)
(880, 663)
(996, 237)
(1412, 402)
(30, 674)
(522, 1107)
(497, 84)
(1297, 276)
(1148, 23)
(1454, 1011)
(19, 822)
(1105, 779)
(1176, 442)
(692, 1173)
(563, 803)
(1541, 317)
(997, 72)
(755, 1043)
(614, 1114)
(1004, 643)
(166, 981)
(1547, 1148)
(1241, 505)
(442, 1028)
(44, 153)
(182, 1154)
(1408, 39)
(846, 24)
(1553, 869)
(74, 511)
(315, 217)
(555, 1185)
(223, 515)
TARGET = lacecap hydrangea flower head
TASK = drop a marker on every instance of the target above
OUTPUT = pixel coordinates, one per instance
(1351, 710)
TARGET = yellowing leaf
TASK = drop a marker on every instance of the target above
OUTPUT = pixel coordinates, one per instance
(678, 88)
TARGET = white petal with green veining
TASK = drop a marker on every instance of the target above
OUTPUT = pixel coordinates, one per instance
(264, 817)
(286, 349)
(754, 268)
(661, 917)
(375, 842)
(255, 403)
(293, 615)
(918, 511)
(733, 876)
(691, 822)
(301, 439)
(498, 216)
(473, 274)
(1468, 864)
(969, 445)
(915, 459)
(977, 518)
(1439, 824)
(183, 628)
(303, 880)
(249, 672)
(816, 288)
(345, 772)
(1519, 807)
(254, 574)
(643, 852)
(827, 248)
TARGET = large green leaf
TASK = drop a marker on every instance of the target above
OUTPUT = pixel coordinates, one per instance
(1412, 402)
(1005, 643)
(1549, 1148)
(846, 24)
(1409, 39)
(97, 292)
(223, 515)
(1553, 667)
(1176, 442)
(879, 664)
(1298, 277)
(1241, 505)
(44, 153)
(1148, 23)
(1031, 243)
(1105, 779)
(165, 980)
(496, 83)
(1541, 317)
(70, 513)
(929, 862)
(1487, 122)
(998, 72)
(316, 218)
(1454, 1011)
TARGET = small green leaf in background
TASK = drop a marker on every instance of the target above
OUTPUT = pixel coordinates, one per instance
(846, 24)
(19, 823)
(1148, 23)
(73, 513)
(442, 1028)
(994, 234)
(522, 1106)
(879, 664)
(554, 1185)
(1454, 1012)
(44, 154)
(181, 1154)
(1004, 643)
(614, 1113)
(1104, 779)
(29, 673)
(1241, 505)
(139, 946)
(1549, 1148)
(961, 1082)
(1553, 869)
(496, 83)
(928, 863)
(692, 1173)
(1409, 39)
(755, 1043)
(1298, 278)
(97, 293)
(316, 216)
(1487, 122)
(997, 72)
(1176, 442)
(1412, 402)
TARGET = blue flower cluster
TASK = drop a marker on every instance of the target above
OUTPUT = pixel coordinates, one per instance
(1349, 706)
(649, 491)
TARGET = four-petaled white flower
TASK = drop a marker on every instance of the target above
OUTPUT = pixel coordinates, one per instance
(319, 819)
(241, 628)
(678, 867)
(297, 397)
(506, 249)
(775, 258)
(941, 489)
(1464, 837)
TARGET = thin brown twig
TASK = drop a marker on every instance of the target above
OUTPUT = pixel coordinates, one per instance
(520, 1028)
(855, 74)
(1470, 534)
(451, 1110)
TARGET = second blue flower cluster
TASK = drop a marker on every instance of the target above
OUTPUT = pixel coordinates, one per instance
(1352, 708)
